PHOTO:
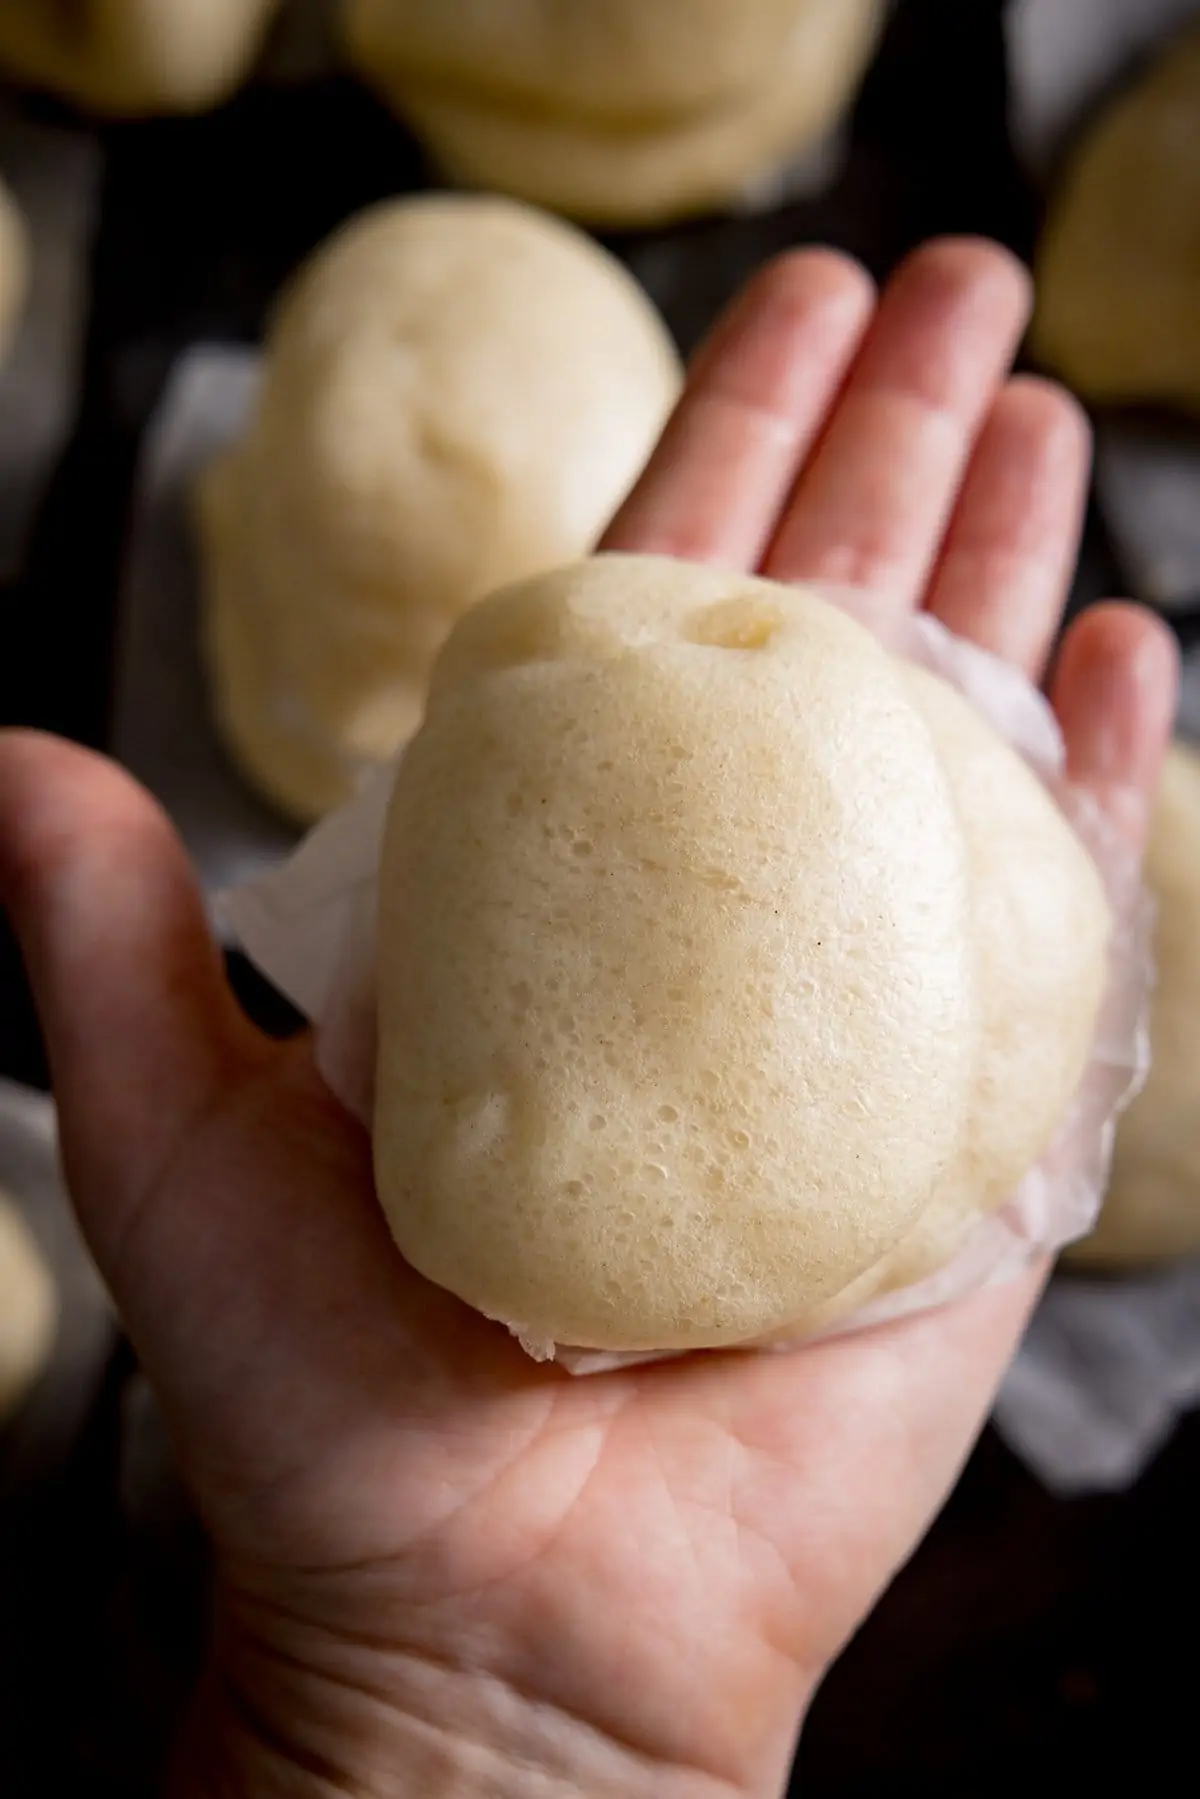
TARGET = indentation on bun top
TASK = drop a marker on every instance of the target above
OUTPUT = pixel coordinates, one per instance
(745, 622)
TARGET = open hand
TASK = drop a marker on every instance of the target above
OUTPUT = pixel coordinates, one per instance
(443, 1568)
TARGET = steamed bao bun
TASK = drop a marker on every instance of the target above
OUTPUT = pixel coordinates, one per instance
(729, 968)
(14, 269)
(28, 1309)
(128, 57)
(1118, 267)
(615, 111)
(458, 392)
(1152, 1209)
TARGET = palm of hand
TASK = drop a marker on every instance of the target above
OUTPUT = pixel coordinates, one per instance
(649, 1568)
(390, 1478)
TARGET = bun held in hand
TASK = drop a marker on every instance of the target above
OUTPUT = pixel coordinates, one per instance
(730, 968)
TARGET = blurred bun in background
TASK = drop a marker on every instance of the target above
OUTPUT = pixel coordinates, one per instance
(616, 112)
(126, 58)
(1118, 266)
(458, 392)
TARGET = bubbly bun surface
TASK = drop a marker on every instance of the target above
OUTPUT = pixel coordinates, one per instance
(693, 982)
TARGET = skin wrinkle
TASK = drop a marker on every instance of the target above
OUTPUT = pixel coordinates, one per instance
(743, 1528)
(794, 1662)
(758, 1448)
(728, 407)
(423, 1657)
(797, 1610)
(546, 1544)
(601, 1428)
(288, 1751)
(873, 553)
(688, 536)
(1009, 570)
(459, 1517)
(376, 1563)
(456, 1518)
(676, 1507)
(410, 1545)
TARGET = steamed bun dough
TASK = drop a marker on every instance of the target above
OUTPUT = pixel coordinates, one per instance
(458, 393)
(616, 112)
(14, 269)
(1152, 1208)
(1118, 268)
(128, 57)
(729, 968)
(28, 1309)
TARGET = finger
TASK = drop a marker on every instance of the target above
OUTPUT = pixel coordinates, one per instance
(870, 509)
(1114, 691)
(755, 399)
(140, 1027)
(1010, 550)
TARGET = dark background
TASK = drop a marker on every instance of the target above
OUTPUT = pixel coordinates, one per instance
(1030, 1642)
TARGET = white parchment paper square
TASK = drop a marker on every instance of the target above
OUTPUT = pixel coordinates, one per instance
(162, 722)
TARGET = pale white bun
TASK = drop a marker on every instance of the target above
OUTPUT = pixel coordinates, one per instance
(129, 57)
(14, 269)
(28, 1309)
(458, 392)
(1117, 270)
(729, 968)
(1152, 1209)
(616, 112)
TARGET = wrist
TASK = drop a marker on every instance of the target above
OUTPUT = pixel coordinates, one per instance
(273, 1720)
(230, 1750)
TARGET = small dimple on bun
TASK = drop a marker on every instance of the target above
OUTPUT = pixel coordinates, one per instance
(697, 965)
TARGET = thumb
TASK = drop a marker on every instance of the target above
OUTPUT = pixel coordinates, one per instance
(141, 1030)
